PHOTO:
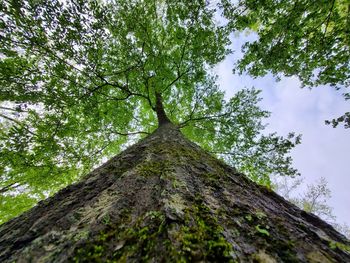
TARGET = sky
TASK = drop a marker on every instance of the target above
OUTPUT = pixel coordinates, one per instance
(324, 151)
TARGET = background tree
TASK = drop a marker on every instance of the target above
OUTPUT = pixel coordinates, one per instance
(79, 82)
(313, 200)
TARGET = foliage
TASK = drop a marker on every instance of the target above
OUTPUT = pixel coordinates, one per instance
(79, 81)
(309, 39)
(344, 118)
(233, 131)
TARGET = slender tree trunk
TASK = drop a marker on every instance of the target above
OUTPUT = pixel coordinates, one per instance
(164, 199)
(161, 115)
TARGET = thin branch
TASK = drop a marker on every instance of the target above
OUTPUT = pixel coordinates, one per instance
(194, 106)
(93, 90)
(10, 109)
(112, 98)
(212, 117)
(102, 149)
(117, 85)
(183, 50)
(17, 122)
(9, 187)
(130, 133)
(328, 18)
(176, 79)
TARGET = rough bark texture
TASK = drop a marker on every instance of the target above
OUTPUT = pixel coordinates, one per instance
(166, 200)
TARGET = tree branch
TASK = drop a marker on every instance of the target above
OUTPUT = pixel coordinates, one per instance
(176, 79)
(213, 117)
(328, 18)
(10, 109)
(9, 187)
(130, 133)
(18, 123)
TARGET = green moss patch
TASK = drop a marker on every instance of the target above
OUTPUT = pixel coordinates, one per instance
(200, 238)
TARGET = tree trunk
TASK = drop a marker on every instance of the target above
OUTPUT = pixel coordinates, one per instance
(159, 109)
(166, 200)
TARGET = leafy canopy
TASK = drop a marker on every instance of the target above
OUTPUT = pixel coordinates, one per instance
(306, 38)
(79, 82)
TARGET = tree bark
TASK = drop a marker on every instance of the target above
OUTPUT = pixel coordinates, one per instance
(161, 115)
(164, 199)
